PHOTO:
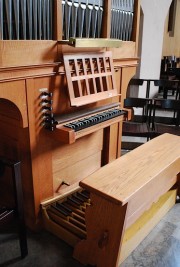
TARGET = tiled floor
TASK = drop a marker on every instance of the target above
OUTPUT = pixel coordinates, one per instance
(161, 248)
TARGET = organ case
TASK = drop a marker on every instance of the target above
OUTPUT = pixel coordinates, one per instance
(27, 69)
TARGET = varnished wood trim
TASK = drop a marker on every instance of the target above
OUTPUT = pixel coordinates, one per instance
(22, 72)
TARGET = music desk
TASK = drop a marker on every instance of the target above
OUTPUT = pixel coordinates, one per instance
(121, 192)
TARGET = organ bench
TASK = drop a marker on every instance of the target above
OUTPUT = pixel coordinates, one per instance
(121, 193)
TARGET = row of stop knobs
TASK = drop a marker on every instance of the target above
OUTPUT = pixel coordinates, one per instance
(46, 102)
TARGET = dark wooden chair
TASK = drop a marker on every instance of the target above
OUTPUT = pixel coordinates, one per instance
(167, 85)
(178, 92)
(166, 116)
(139, 125)
(176, 72)
(14, 212)
(167, 64)
(133, 87)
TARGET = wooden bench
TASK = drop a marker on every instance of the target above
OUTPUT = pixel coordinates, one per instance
(121, 192)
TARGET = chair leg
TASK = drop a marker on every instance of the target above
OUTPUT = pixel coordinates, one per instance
(22, 239)
(20, 210)
(165, 93)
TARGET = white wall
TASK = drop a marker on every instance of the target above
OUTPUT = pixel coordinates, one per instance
(154, 15)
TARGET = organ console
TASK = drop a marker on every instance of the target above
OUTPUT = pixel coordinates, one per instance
(90, 78)
(64, 70)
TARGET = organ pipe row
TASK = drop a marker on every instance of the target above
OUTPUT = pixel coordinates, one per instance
(33, 19)
(82, 18)
(26, 19)
(122, 13)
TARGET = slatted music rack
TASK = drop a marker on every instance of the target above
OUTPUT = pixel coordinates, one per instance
(90, 77)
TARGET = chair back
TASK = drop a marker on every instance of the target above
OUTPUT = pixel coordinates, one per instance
(144, 103)
(173, 118)
(15, 211)
(133, 87)
(165, 83)
(136, 81)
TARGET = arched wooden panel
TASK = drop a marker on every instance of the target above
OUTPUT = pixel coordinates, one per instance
(15, 93)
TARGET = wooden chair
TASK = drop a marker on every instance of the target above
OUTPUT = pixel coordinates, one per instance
(167, 85)
(139, 125)
(133, 87)
(167, 64)
(176, 72)
(14, 213)
(166, 122)
(178, 92)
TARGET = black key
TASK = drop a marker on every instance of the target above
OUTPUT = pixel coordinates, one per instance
(86, 193)
(76, 125)
(70, 126)
(87, 123)
(73, 202)
(81, 201)
(62, 206)
(82, 197)
(59, 210)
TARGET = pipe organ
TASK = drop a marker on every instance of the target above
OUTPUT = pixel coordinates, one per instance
(64, 71)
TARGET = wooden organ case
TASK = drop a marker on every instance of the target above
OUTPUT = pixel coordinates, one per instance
(38, 107)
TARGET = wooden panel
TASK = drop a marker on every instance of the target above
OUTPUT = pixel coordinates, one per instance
(142, 200)
(76, 162)
(74, 173)
(76, 152)
(127, 74)
(40, 145)
(19, 72)
(9, 113)
(110, 143)
(126, 51)
(135, 31)
(34, 52)
(9, 91)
